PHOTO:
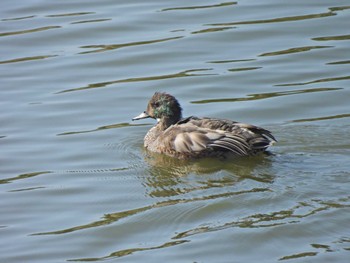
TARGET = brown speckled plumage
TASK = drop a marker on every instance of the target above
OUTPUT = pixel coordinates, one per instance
(194, 137)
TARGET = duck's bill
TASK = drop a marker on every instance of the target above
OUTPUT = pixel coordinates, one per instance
(143, 115)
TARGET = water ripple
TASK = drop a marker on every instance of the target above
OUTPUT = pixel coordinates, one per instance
(339, 8)
(23, 176)
(29, 31)
(338, 116)
(181, 74)
(125, 252)
(300, 255)
(103, 48)
(334, 246)
(230, 61)
(330, 38)
(91, 21)
(261, 96)
(293, 50)
(212, 29)
(314, 81)
(243, 69)
(282, 217)
(27, 59)
(72, 14)
(26, 189)
(17, 18)
(339, 62)
(199, 6)
(114, 217)
(278, 20)
(101, 128)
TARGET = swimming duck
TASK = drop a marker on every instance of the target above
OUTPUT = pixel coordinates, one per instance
(194, 137)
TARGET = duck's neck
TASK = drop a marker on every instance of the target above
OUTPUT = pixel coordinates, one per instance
(165, 122)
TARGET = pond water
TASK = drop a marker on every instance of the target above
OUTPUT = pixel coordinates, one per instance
(75, 182)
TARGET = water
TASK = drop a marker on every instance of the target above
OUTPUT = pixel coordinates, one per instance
(76, 184)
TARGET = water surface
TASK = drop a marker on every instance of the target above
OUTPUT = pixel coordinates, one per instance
(75, 182)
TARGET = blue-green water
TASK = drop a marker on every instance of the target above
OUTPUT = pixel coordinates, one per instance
(75, 182)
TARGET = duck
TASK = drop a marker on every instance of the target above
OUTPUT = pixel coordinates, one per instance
(196, 137)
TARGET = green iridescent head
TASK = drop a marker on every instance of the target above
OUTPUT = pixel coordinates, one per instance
(163, 105)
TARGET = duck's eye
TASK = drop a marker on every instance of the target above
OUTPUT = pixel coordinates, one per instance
(156, 104)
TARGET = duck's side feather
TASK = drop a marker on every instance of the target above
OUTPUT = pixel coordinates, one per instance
(228, 126)
(202, 136)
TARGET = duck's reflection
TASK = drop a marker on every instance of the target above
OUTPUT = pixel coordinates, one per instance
(168, 176)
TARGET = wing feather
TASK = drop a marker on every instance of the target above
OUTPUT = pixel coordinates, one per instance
(235, 144)
(196, 136)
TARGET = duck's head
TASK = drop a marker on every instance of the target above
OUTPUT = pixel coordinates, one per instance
(162, 107)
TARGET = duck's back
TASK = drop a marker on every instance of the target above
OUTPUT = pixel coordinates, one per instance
(198, 137)
(246, 131)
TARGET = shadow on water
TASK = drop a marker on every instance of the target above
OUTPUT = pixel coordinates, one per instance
(171, 177)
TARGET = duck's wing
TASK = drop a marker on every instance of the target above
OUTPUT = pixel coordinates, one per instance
(248, 137)
(227, 126)
(258, 131)
(233, 143)
(194, 140)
